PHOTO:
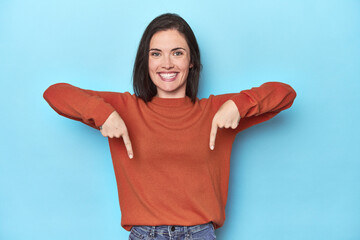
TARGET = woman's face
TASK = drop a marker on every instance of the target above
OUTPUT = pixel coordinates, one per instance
(169, 63)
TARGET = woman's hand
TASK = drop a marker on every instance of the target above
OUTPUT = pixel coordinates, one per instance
(227, 116)
(114, 126)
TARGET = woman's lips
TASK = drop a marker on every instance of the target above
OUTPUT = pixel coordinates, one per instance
(168, 77)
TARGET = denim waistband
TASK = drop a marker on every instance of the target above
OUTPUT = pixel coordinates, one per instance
(173, 228)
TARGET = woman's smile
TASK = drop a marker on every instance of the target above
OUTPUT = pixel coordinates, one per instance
(168, 77)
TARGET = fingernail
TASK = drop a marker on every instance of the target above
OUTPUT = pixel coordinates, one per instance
(130, 156)
(212, 147)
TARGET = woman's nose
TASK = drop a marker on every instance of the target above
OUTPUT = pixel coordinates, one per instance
(167, 62)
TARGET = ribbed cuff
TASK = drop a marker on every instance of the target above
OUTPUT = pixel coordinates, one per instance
(246, 105)
(101, 112)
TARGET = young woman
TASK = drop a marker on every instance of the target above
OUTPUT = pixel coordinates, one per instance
(170, 150)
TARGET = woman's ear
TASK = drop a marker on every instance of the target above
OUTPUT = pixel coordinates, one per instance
(191, 65)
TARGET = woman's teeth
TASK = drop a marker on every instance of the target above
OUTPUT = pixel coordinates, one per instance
(168, 75)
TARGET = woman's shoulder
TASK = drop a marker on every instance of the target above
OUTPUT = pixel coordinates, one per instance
(215, 100)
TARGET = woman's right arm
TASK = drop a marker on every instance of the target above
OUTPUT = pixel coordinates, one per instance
(90, 107)
(87, 106)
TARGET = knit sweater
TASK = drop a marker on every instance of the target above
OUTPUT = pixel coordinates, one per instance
(174, 177)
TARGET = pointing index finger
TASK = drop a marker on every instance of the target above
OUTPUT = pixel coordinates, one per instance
(213, 132)
(128, 146)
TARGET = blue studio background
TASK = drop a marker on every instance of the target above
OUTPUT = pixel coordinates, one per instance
(294, 177)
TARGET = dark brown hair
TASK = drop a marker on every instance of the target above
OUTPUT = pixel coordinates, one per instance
(143, 86)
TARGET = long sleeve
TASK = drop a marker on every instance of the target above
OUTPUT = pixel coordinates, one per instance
(269, 97)
(88, 106)
(260, 104)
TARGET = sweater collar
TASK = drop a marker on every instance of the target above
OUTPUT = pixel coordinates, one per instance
(172, 102)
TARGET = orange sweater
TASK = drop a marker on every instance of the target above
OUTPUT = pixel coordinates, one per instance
(174, 177)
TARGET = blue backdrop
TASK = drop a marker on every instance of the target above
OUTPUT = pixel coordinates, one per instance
(294, 177)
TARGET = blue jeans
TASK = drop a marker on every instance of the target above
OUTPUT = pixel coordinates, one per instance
(173, 232)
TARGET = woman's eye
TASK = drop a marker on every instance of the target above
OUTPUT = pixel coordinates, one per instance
(178, 53)
(155, 54)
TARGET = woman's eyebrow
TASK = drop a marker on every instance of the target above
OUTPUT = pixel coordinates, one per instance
(174, 49)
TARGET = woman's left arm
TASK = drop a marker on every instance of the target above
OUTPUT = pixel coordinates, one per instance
(256, 105)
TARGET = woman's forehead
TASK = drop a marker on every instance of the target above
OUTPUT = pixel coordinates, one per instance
(168, 39)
